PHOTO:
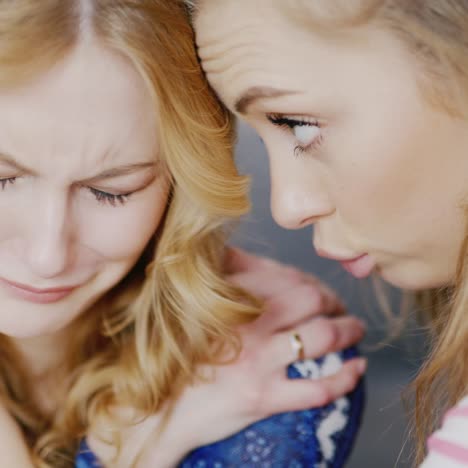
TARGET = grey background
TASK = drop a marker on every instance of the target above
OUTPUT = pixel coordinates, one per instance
(383, 440)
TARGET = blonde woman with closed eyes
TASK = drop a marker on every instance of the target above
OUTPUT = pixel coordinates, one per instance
(127, 327)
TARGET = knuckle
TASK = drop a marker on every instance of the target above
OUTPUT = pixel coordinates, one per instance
(292, 275)
(330, 293)
(246, 360)
(268, 264)
(353, 327)
(349, 381)
(328, 332)
(273, 305)
(314, 298)
(323, 395)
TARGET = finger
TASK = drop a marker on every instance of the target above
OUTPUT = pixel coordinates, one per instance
(237, 260)
(319, 337)
(297, 305)
(299, 394)
(268, 280)
(338, 306)
(327, 291)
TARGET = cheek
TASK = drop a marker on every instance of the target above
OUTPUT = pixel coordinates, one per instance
(390, 193)
(122, 233)
(365, 191)
(375, 168)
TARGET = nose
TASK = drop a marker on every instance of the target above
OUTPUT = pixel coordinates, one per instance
(298, 196)
(50, 248)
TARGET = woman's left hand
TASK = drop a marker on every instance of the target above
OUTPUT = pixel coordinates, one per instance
(255, 385)
(294, 303)
(282, 287)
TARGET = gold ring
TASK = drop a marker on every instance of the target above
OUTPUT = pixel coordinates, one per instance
(297, 346)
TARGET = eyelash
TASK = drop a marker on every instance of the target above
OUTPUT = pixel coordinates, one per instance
(5, 182)
(288, 124)
(103, 198)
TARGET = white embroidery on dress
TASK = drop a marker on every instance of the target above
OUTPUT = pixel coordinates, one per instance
(334, 422)
(337, 418)
(308, 369)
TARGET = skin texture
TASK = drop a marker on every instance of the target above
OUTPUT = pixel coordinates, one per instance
(86, 116)
(384, 173)
(255, 385)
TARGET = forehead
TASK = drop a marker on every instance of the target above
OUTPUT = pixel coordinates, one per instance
(237, 43)
(245, 44)
(93, 102)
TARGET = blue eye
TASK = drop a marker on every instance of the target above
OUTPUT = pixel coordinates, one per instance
(307, 133)
(7, 181)
(111, 199)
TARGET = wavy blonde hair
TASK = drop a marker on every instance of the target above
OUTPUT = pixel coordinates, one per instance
(436, 33)
(142, 342)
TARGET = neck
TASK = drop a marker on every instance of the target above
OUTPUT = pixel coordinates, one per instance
(43, 359)
(42, 355)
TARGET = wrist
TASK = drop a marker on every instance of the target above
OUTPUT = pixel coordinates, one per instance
(168, 444)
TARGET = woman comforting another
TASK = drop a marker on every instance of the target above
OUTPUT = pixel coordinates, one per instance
(124, 325)
(363, 107)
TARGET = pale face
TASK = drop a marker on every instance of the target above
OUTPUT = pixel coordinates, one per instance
(354, 148)
(81, 190)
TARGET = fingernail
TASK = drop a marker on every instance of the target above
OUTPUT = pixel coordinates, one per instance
(361, 365)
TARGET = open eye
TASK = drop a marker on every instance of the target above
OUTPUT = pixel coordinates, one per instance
(307, 133)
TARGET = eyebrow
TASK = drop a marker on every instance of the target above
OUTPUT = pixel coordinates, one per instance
(5, 158)
(107, 174)
(121, 171)
(256, 93)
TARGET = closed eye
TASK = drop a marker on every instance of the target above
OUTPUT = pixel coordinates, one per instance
(7, 181)
(110, 199)
(104, 198)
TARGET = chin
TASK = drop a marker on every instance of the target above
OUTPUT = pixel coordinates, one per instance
(20, 331)
(415, 278)
(31, 321)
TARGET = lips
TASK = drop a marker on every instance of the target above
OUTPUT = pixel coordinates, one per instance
(35, 295)
(360, 266)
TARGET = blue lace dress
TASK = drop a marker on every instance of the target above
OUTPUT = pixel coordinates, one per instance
(316, 438)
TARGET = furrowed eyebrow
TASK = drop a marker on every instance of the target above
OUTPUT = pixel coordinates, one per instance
(256, 93)
(11, 161)
(107, 174)
(121, 171)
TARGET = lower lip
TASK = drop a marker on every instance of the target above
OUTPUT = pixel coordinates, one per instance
(360, 267)
(36, 297)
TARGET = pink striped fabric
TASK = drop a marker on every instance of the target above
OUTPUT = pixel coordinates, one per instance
(461, 411)
(447, 448)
